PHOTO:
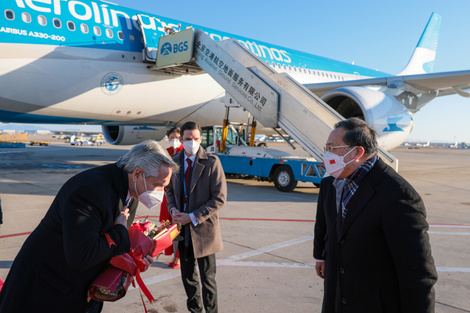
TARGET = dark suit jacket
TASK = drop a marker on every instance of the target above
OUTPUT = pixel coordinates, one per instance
(208, 193)
(63, 255)
(381, 255)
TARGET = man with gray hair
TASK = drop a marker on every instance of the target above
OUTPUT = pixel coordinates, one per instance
(85, 227)
(371, 244)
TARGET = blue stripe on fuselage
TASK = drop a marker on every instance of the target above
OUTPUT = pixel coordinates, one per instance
(115, 18)
(15, 117)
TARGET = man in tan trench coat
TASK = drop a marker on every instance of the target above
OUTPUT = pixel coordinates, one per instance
(195, 195)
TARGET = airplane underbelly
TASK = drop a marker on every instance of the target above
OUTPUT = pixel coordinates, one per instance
(94, 86)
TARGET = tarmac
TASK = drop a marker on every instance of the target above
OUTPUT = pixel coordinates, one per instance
(267, 263)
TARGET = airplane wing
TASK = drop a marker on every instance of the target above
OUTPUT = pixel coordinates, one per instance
(446, 83)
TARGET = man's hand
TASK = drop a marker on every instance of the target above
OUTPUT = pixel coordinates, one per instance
(181, 218)
(174, 212)
(320, 268)
(148, 261)
(122, 218)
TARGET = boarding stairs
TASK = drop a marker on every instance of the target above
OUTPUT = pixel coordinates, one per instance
(275, 99)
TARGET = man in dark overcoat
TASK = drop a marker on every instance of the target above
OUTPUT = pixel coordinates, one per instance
(371, 243)
(194, 200)
(85, 227)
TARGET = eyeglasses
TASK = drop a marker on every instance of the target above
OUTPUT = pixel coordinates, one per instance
(328, 148)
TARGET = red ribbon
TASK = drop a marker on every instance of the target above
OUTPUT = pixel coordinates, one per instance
(141, 265)
(109, 240)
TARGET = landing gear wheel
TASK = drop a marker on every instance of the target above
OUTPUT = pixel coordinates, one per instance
(284, 179)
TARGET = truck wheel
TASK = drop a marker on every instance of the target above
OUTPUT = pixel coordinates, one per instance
(80, 143)
(262, 145)
(284, 179)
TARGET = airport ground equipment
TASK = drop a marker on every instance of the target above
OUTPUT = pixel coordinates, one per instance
(275, 99)
(86, 142)
(13, 140)
(265, 164)
(38, 143)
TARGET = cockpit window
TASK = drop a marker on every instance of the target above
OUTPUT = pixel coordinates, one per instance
(9, 14)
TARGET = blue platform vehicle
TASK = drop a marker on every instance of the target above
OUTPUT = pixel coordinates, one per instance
(262, 163)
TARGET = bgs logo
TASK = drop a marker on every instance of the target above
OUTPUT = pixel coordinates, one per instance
(112, 83)
(177, 47)
(166, 48)
(182, 46)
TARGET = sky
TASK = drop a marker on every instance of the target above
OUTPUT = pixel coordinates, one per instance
(375, 34)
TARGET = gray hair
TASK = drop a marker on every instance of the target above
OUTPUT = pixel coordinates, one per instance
(149, 156)
(359, 133)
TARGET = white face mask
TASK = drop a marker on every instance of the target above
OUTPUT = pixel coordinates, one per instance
(175, 143)
(334, 164)
(150, 198)
(191, 146)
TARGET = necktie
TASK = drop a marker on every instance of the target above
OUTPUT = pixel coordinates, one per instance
(187, 178)
(187, 175)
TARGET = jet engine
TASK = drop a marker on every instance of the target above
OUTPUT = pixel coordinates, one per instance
(387, 116)
(131, 135)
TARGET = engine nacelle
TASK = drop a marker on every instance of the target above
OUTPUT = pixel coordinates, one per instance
(387, 116)
(131, 135)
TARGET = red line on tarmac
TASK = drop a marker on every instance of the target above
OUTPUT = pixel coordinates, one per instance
(444, 224)
(15, 235)
(242, 219)
(247, 219)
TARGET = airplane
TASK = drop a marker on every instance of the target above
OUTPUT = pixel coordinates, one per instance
(86, 62)
(417, 145)
(423, 145)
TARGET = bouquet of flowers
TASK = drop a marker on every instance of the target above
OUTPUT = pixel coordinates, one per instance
(146, 239)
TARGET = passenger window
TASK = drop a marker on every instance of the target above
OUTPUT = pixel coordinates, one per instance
(71, 26)
(121, 35)
(84, 28)
(26, 17)
(97, 31)
(132, 37)
(109, 33)
(57, 23)
(9, 15)
(290, 69)
(42, 20)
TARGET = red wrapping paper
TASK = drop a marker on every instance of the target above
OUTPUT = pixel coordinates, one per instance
(116, 278)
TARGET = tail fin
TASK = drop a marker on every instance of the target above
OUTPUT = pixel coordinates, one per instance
(422, 60)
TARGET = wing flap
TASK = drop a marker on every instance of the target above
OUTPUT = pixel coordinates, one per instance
(443, 82)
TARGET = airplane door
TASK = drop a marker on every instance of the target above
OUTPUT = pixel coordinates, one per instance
(150, 36)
